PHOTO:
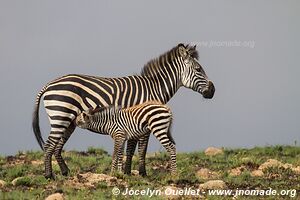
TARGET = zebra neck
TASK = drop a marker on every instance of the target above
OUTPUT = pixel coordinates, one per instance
(105, 120)
(165, 86)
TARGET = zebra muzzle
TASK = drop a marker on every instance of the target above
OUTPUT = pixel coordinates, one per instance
(209, 91)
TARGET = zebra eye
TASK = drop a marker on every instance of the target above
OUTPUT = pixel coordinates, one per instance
(85, 116)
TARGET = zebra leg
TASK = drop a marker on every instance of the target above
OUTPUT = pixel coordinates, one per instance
(58, 149)
(131, 145)
(49, 147)
(168, 143)
(142, 149)
(118, 144)
(171, 149)
(120, 155)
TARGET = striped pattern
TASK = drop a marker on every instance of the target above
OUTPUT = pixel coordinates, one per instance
(67, 96)
(131, 123)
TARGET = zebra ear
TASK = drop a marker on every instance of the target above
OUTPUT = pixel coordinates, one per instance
(90, 110)
(193, 52)
(86, 116)
(182, 50)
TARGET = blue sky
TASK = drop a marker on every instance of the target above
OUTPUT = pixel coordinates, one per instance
(249, 49)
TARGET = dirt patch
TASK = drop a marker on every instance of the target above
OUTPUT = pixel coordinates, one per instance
(275, 163)
(257, 173)
(213, 184)
(205, 173)
(212, 151)
(2, 183)
(162, 167)
(237, 171)
(270, 163)
(134, 172)
(296, 170)
(55, 196)
(15, 160)
(91, 180)
(37, 162)
(22, 159)
(258, 170)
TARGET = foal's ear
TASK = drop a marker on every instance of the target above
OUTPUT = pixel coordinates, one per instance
(86, 116)
(90, 111)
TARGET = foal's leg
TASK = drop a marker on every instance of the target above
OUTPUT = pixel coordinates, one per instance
(167, 142)
(57, 153)
(131, 145)
(142, 149)
(171, 149)
(120, 155)
(118, 147)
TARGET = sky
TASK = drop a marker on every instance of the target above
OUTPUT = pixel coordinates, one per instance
(249, 49)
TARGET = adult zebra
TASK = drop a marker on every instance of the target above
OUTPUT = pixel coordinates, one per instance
(67, 96)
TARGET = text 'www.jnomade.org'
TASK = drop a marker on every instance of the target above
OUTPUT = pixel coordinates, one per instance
(198, 192)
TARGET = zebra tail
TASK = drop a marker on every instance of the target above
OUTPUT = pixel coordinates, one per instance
(169, 133)
(171, 137)
(35, 119)
(170, 126)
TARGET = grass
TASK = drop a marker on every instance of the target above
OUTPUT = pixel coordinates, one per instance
(33, 185)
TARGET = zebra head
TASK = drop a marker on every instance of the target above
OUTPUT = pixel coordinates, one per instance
(83, 119)
(192, 74)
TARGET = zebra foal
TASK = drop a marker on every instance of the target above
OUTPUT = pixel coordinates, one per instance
(131, 123)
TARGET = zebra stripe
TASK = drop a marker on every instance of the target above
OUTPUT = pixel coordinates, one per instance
(131, 123)
(67, 96)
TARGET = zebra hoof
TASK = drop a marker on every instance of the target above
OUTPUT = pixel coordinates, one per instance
(50, 176)
(143, 174)
(65, 172)
(127, 172)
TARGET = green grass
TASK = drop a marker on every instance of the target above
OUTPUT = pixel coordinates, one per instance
(32, 184)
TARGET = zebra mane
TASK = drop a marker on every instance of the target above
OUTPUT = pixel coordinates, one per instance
(99, 109)
(155, 65)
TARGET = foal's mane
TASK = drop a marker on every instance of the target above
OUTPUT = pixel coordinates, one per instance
(99, 109)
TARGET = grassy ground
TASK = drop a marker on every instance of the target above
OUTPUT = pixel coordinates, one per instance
(33, 185)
